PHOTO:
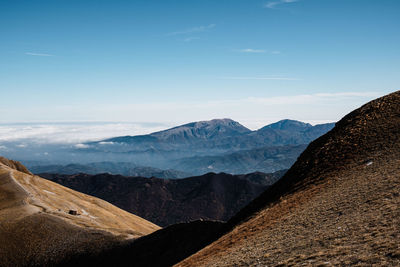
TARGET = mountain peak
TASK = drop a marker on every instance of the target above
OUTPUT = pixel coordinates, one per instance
(288, 125)
(211, 129)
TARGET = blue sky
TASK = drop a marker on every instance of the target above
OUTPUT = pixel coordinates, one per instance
(179, 61)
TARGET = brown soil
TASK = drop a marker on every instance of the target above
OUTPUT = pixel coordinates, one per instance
(36, 227)
(338, 205)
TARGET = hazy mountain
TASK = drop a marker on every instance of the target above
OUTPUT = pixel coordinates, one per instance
(211, 143)
(123, 168)
(189, 133)
(223, 135)
(266, 159)
(191, 149)
(210, 196)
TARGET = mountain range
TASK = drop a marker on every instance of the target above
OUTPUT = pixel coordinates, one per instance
(209, 197)
(223, 135)
(122, 168)
(220, 145)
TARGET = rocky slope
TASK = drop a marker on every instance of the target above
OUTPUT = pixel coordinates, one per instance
(165, 202)
(337, 206)
(43, 223)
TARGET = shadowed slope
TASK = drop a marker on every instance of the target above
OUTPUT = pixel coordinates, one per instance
(36, 227)
(337, 205)
(165, 202)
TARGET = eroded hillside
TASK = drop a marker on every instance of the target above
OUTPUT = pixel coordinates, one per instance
(42, 222)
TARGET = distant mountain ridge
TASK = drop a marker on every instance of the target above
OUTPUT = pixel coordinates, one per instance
(211, 196)
(190, 132)
(220, 142)
(122, 168)
(218, 133)
(265, 159)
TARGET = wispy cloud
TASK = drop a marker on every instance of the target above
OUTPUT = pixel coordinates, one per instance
(193, 30)
(38, 54)
(250, 50)
(273, 4)
(259, 78)
(190, 39)
(257, 51)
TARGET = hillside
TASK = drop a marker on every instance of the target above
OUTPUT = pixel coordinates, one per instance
(266, 159)
(44, 223)
(337, 205)
(165, 202)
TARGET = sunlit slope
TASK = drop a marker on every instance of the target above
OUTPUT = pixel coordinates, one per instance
(36, 227)
(338, 205)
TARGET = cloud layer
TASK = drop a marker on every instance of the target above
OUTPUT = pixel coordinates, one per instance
(253, 112)
(71, 132)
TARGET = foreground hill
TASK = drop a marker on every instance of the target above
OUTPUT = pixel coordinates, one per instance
(209, 197)
(338, 204)
(43, 223)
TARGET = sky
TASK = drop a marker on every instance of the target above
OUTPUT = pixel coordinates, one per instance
(170, 62)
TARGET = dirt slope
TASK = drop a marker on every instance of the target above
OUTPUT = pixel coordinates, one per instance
(338, 204)
(36, 227)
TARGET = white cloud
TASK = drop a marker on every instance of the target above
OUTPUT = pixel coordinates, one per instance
(38, 54)
(193, 30)
(77, 133)
(106, 143)
(273, 4)
(81, 146)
